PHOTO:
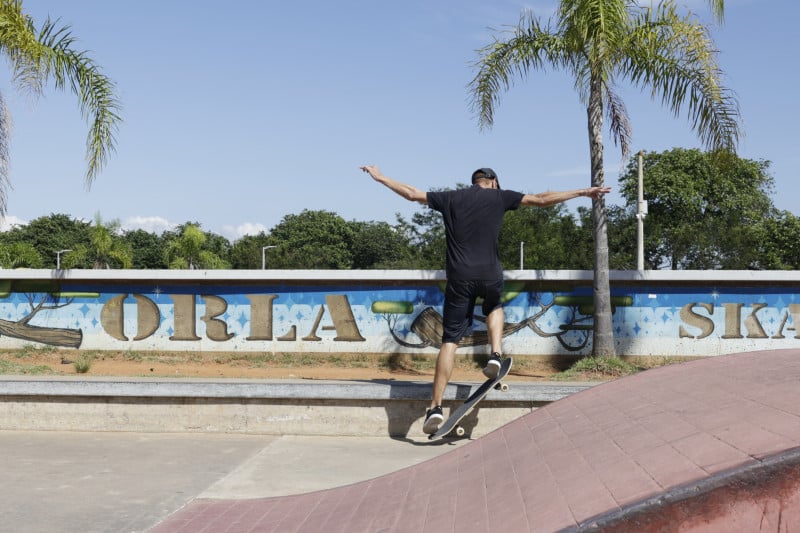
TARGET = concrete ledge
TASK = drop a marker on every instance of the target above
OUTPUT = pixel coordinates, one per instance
(274, 389)
(280, 407)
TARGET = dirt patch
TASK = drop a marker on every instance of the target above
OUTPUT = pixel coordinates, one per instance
(34, 361)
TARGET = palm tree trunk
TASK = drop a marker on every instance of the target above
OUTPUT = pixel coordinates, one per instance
(603, 337)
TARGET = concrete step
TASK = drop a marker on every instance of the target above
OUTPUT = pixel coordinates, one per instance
(271, 407)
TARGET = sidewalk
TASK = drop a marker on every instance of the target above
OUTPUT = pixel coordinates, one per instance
(54, 482)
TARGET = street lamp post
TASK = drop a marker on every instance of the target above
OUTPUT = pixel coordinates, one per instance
(264, 256)
(58, 258)
(521, 255)
(641, 212)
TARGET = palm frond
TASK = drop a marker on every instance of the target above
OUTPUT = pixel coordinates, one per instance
(717, 9)
(530, 47)
(675, 58)
(19, 42)
(95, 91)
(619, 122)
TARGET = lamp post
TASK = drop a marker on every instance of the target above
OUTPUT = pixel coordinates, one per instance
(641, 212)
(521, 255)
(264, 256)
(58, 258)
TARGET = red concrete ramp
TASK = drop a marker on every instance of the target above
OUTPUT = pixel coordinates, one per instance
(709, 445)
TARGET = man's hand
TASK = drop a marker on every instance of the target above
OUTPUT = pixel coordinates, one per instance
(597, 192)
(372, 170)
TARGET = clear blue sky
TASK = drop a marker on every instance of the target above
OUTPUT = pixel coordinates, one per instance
(239, 113)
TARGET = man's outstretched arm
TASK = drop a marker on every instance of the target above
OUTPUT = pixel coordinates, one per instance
(546, 199)
(409, 192)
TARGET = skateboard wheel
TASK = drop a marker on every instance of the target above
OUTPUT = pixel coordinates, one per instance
(504, 387)
(460, 431)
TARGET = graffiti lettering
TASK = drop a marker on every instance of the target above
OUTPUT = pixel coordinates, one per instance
(112, 317)
(733, 321)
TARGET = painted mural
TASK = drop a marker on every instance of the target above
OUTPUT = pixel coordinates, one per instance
(385, 318)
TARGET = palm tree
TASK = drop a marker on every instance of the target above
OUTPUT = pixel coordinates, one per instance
(47, 55)
(602, 42)
(106, 248)
(187, 251)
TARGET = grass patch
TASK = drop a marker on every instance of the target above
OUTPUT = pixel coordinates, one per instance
(83, 363)
(30, 350)
(10, 368)
(598, 369)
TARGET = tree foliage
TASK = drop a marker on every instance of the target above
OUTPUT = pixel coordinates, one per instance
(313, 240)
(187, 249)
(49, 234)
(19, 255)
(247, 252)
(147, 249)
(380, 245)
(705, 211)
(104, 249)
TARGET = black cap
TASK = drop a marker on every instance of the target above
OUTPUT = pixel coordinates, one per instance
(485, 173)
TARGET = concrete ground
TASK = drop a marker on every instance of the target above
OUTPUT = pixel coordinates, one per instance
(711, 445)
(56, 482)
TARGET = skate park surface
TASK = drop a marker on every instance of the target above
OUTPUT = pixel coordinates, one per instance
(706, 445)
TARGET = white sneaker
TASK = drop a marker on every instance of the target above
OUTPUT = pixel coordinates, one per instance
(433, 418)
(492, 368)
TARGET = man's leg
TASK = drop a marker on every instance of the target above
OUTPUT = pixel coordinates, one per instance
(494, 326)
(434, 416)
(444, 369)
(495, 322)
(459, 299)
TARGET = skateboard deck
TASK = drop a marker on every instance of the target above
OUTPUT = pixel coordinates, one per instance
(451, 424)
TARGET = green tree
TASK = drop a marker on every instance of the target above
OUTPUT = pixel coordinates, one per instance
(50, 234)
(19, 255)
(312, 240)
(600, 43)
(246, 252)
(704, 211)
(622, 237)
(778, 248)
(47, 55)
(380, 245)
(105, 248)
(187, 250)
(552, 239)
(148, 249)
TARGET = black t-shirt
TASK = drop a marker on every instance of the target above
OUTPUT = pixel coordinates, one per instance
(472, 220)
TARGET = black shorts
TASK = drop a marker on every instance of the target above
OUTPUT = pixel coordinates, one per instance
(459, 302)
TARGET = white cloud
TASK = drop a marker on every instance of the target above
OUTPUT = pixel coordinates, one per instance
(157, 225)
(9, 221)
(247, 228)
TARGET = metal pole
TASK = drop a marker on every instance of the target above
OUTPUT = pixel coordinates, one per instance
(641, 212)
(58, 258)
(521, 255)
(264, 257)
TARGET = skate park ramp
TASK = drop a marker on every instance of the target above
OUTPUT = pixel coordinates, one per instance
(707, 445)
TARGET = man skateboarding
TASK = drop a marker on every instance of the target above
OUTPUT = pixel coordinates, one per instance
(472, 220)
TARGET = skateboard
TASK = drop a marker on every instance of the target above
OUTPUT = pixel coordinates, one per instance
(451, 424)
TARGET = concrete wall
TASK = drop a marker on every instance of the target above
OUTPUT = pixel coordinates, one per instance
(656, 313)
(281, 407)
